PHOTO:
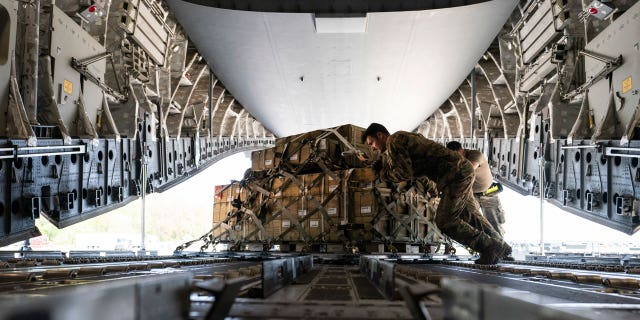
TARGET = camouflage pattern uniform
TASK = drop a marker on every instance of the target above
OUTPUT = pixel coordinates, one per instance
(492, 210)
(411, 156)
(490, 204)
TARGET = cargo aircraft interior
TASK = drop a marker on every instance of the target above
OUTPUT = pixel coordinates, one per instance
(106, 102)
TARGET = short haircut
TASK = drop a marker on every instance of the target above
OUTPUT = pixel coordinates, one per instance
(474, 156)
(372, 130)
(454, 145)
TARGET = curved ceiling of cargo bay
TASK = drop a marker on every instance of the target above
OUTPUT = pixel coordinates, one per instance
(297, 72)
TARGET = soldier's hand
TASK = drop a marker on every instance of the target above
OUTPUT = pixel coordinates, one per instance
(377, 165)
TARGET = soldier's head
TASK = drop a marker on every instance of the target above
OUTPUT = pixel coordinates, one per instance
(455, 146)
(376, 137)
(475, 158)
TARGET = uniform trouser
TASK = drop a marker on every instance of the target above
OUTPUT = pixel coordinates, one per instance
(492, 210)
(459, 216)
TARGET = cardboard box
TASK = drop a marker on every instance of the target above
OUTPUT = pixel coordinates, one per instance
(362, 178)
(313, 183)
(238, 192)
(331, 184)
(317, 222)
(332, 207)
(257, 160)
(365, 233)
(351, 133)
(280, 190)
(298, 154)
(293, 157)
(221, 211)
(293, 235)
(271, 161)
(299, 209)
(274, 227)
(299, 145)
(227, 193)
(363, 204)
(314, 225)
(219, 194)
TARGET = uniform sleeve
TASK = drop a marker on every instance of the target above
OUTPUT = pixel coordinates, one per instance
(397, 166)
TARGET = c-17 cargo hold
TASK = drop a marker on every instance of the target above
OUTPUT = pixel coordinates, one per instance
(319, 193)
(103, 102)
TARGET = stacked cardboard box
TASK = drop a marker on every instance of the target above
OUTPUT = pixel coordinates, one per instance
(315, 188)
(339, 148)
(223, 213)
(306, 207)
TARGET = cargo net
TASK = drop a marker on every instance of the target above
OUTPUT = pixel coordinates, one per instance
(316, 189)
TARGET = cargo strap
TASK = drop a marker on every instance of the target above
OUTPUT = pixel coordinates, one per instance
(283, 209)
(416, 196)
(256, 221)
(224, 189)
(344, 141)
(388, 210)
(208, 237)
(433, 234)
(288, 213)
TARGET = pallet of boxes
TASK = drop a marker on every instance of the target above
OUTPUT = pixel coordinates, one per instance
(315, 192)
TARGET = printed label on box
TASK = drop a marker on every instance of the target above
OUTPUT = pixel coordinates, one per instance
(314, 223)
(366, 209)
(268, 162)
(332, 211)
(286, 223)
(302, 212)
(294, 157)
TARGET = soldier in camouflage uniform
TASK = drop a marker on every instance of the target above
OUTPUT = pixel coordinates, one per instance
(489, 202)
(407, 156)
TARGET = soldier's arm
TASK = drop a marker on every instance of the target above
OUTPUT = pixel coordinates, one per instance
(397, 166)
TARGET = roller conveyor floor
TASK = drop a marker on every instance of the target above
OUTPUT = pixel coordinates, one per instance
(557, 284)
(290, 286)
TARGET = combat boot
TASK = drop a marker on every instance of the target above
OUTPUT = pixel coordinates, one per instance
(489, 255)
(493, 253)
(506, 255)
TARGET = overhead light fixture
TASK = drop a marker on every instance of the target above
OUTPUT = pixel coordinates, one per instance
(600, 10)
(92, 14)
(341, 23)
